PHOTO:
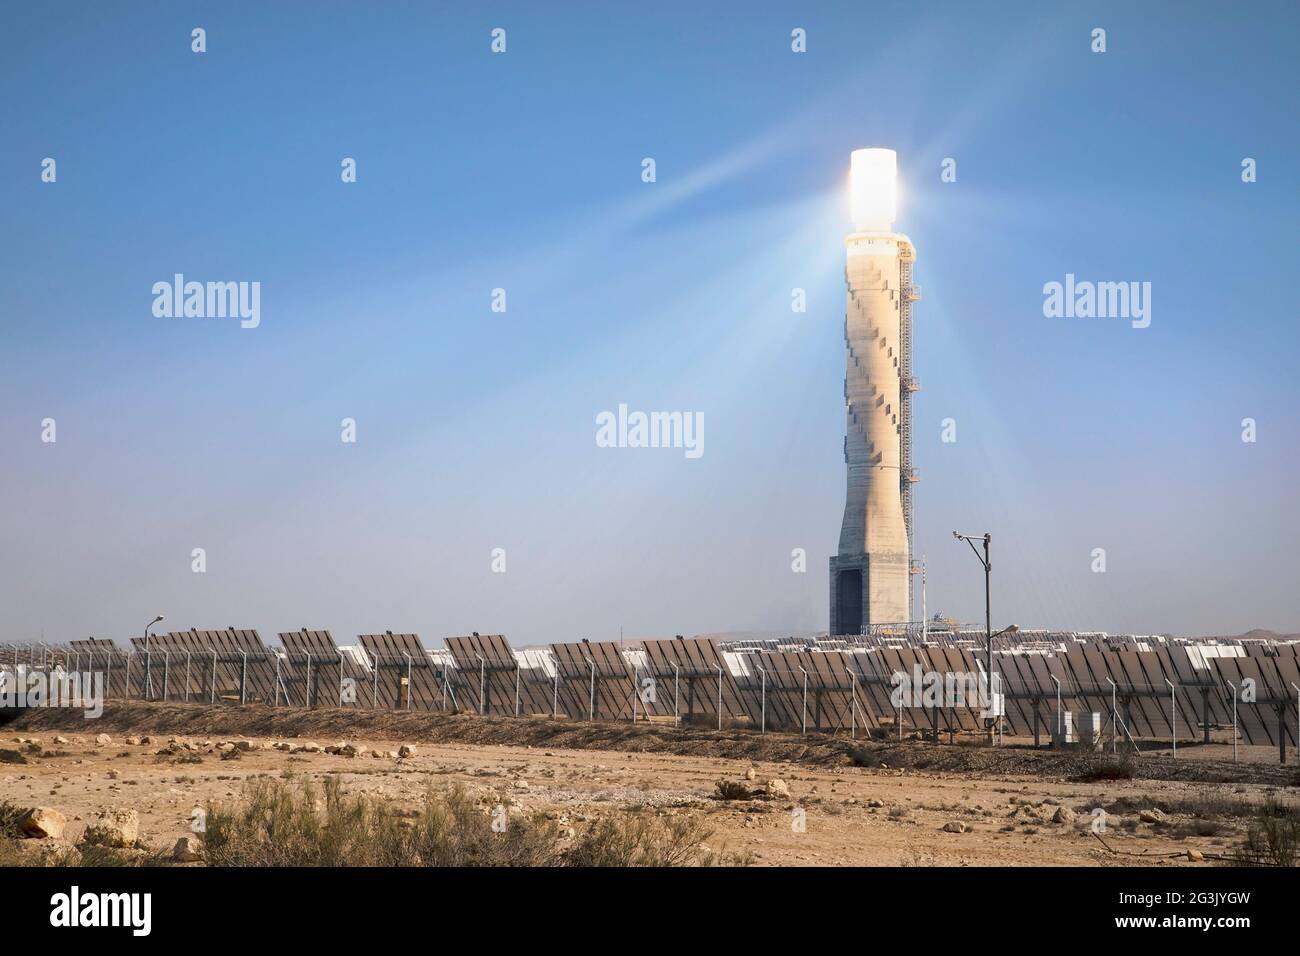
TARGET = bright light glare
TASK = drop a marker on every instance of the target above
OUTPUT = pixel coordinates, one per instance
(873, 179)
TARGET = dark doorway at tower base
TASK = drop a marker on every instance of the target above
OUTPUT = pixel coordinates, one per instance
(848, 596)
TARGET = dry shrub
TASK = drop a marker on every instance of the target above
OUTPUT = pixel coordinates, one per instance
(1273, 838)
(285, 823)
(1108, 768)
(10, 817)
(731, 790)
(638, 839)
(864, 757)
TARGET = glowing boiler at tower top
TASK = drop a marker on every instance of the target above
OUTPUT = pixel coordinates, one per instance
(873, 189)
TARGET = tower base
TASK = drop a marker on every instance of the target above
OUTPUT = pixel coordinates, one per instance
(854, 605)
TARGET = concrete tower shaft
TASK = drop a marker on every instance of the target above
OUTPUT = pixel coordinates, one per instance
(870, 576)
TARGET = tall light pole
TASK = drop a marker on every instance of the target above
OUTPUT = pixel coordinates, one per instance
(988, 616)
(148, 658)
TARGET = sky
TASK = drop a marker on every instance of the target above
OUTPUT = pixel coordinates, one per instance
(523, 171)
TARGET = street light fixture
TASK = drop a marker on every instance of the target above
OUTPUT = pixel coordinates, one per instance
(995, 688)
(988, 617)
(148, 658)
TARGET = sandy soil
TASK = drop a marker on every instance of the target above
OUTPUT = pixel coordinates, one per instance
(853, 815)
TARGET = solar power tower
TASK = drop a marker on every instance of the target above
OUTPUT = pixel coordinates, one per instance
(870, 577)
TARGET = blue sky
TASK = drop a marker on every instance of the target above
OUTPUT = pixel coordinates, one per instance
(522, 171)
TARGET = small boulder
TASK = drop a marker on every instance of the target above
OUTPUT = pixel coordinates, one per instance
(1063, 815)
(750, 774)
(59, 739)
(406, 750)
(114, 828)
(1153, 815)
(776, 787)
(103, 740)
(42, 823)
(187, 850)
(244, 745)
(133, 741)
(1195, 856)
(955, 826)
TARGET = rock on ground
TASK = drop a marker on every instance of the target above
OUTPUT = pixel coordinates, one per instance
(114, 828)
(187, 850)
(43, 823)
(1063, 815)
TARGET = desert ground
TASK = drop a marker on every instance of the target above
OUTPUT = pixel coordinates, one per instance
(882, 803)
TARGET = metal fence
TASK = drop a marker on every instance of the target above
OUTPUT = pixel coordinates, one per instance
(1172, 692)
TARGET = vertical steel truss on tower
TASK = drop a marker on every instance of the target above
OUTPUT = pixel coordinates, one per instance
(907, 475)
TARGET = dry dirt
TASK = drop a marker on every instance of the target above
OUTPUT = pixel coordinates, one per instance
(890, 814)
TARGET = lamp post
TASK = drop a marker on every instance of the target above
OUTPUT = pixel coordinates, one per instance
(995, 687)
(988, 617)
(148, 658)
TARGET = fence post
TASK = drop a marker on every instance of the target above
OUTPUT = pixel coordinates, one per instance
(555, 693)
(762, 727)
(516, 687)
(1114, 718)
(212, 693)
(803, 715)
(275, 694)
(1234, 719)
(677, 671)
(1173, 719)
(1297, 720)
(408, 680)
(166, 672)
(187, 677)
(1060, 730)
(591, 694)
(482, 684)
(374, 684)
(719, 667)
(307, 685)
(853, 708)
(243, 678)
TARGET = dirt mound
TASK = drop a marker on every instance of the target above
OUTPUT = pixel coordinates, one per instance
(815, 750)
